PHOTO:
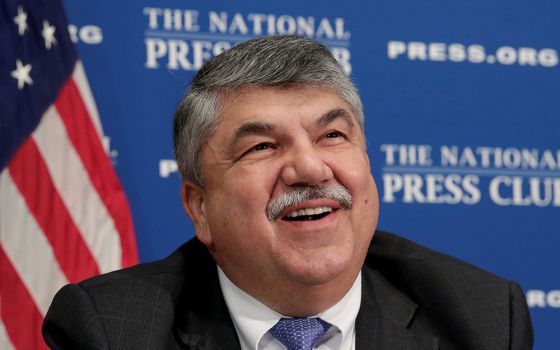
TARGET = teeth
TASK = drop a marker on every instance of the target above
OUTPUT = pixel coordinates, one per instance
(310, 211)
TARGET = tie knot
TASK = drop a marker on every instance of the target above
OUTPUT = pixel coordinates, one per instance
(299, 333)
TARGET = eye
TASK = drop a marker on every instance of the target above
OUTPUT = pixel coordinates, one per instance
(333, 137)
(260, 147)
(333, 134)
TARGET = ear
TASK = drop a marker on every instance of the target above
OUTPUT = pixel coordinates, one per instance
(193, 197)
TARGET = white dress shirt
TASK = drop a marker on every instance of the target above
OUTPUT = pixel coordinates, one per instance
(252, 319)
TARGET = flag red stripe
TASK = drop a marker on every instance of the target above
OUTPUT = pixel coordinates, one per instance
(30, 175)
(20, 316)
(85, 139)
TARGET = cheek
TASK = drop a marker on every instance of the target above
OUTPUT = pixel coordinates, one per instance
(240, 200)
(253, 183)
(353, 171)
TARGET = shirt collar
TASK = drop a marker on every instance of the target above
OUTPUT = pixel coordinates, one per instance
(252, 319)
(342, 315)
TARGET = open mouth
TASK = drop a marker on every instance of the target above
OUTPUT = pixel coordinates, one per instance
(308, 214)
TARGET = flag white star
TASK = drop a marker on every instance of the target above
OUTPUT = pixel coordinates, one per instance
(21, 20)
(21, 73)
(48, 34)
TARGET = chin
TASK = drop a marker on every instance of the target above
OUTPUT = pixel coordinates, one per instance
(321, 268)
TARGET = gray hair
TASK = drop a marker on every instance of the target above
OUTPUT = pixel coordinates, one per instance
(282, 61)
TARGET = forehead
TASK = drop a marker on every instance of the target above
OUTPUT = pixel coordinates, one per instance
(280, 104)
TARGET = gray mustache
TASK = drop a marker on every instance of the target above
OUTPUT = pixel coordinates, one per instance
(299, 194)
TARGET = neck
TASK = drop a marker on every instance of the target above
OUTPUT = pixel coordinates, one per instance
(307, 301)
(294, 299)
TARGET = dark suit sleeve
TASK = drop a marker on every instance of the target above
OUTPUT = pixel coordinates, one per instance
(72, 321)
(521, 331)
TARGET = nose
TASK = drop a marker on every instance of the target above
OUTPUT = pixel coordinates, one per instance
(305, 166)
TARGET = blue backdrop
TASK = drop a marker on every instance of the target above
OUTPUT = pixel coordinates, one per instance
(462, 116)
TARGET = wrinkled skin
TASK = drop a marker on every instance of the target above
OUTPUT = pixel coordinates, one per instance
(266, 140)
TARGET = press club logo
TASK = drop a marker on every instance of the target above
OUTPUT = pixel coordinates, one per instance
(183, 39)
(450, 174)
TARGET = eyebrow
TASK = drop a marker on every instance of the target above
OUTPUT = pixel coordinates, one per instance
(334, 114)
(251, 128)
(262, 128)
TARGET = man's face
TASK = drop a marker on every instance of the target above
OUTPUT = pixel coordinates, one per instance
(268, 141)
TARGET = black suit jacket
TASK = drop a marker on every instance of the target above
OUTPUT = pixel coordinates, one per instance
(412, 298)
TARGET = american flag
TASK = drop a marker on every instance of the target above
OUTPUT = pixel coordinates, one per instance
(63, 214)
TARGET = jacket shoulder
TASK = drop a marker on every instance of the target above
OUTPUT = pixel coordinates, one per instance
(133, 307)
(465, 305)
(397, 255)
(176, 264)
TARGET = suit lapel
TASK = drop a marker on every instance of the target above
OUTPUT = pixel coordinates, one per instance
(203, 320)
(384, 317)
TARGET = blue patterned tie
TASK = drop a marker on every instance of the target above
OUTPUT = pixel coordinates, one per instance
(299, 333)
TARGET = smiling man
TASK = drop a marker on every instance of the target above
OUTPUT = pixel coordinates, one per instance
(270, 144)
